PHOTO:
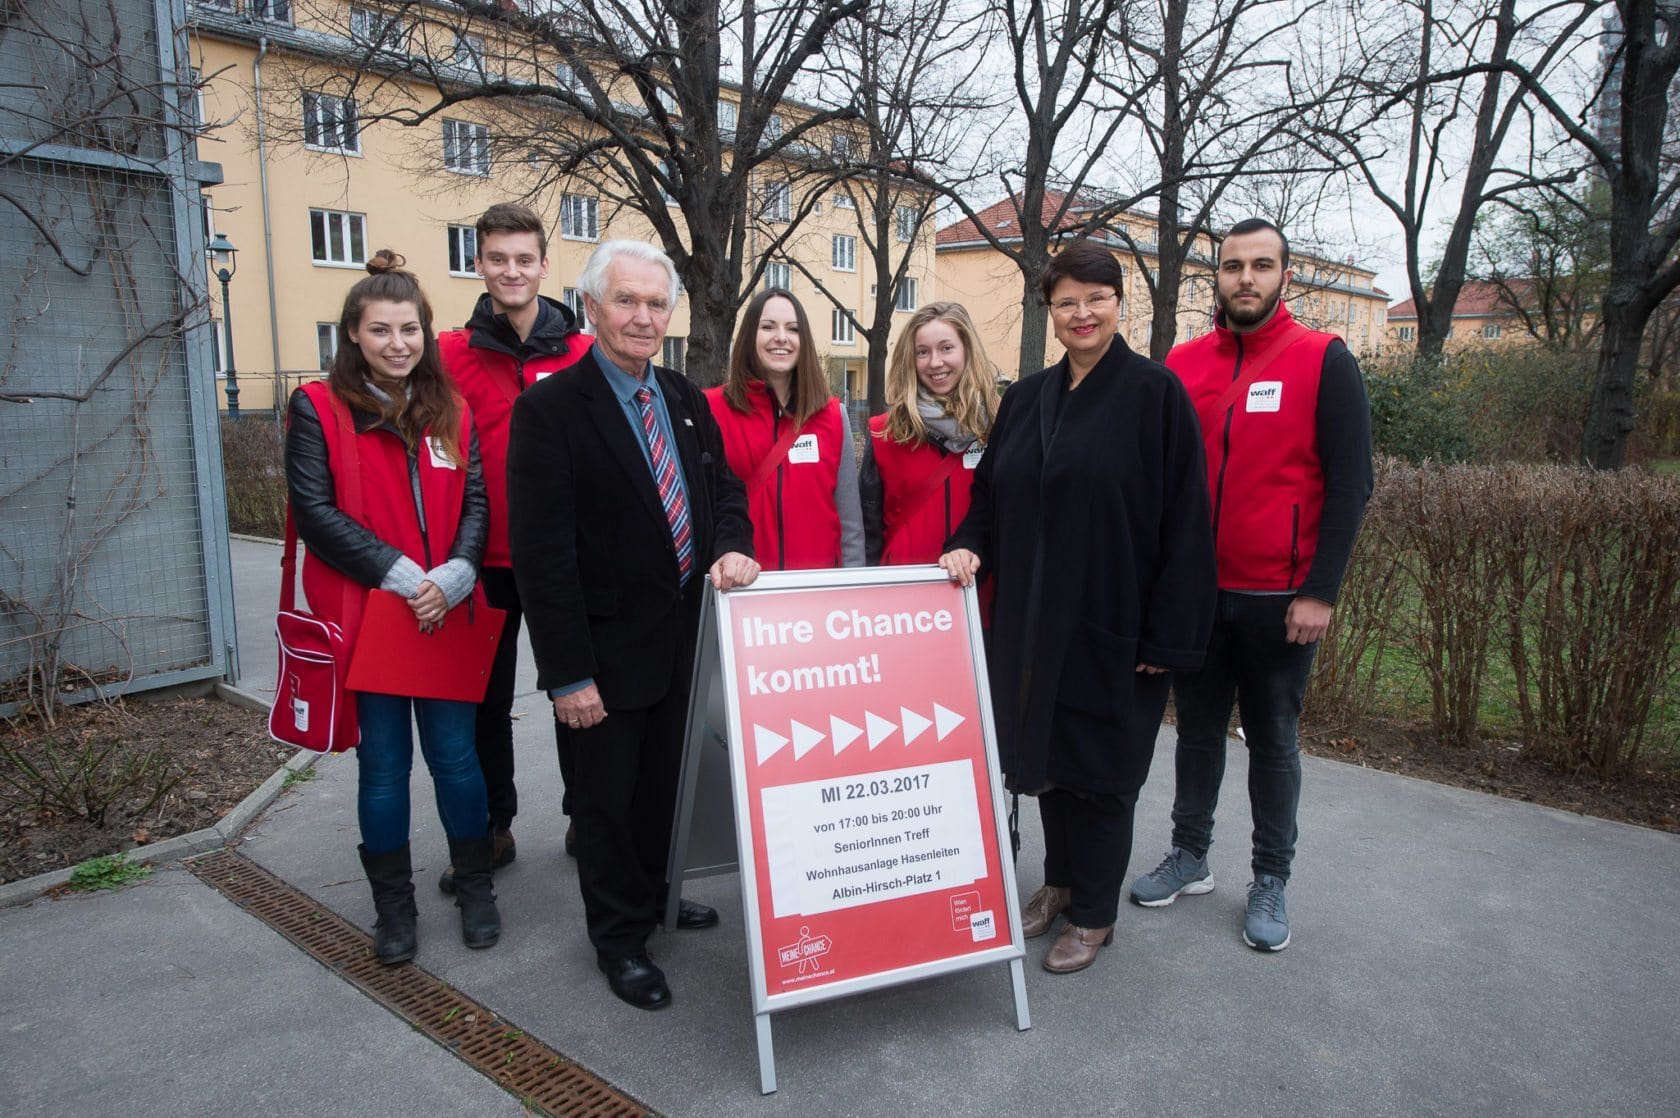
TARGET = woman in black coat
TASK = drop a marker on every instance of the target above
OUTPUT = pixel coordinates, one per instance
(1090, 513)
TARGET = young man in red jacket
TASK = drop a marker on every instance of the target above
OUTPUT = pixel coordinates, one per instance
(515, 338)
(1287, 429)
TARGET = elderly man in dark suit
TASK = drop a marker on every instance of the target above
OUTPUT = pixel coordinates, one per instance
(620, 504)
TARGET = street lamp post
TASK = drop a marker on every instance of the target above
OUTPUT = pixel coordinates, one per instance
(223, 257)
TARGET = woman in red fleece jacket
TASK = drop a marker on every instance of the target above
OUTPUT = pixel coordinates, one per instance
(787, 437)
(919, 461)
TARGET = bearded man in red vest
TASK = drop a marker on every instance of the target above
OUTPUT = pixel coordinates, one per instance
(1287, 429)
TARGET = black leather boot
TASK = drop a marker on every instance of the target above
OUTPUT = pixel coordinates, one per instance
(481, 924)
(391, 877)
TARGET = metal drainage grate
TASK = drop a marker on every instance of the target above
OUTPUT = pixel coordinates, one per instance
(540, 1077)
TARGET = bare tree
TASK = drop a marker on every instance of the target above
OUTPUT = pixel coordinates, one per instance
(1056, 138)
(629, 96)
(1546, 254)
(1630, 132)
(1430, 100)
(1222, 104)
(906, 70)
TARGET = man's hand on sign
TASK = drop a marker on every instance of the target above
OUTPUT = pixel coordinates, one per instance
(962, 565)
(733, 569)
(581, 709)
(1307, 620)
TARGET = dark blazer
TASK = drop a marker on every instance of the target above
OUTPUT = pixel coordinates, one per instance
(592, 550)
(1090, 512)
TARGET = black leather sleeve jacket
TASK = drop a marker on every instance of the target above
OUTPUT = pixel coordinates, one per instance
(332, 535)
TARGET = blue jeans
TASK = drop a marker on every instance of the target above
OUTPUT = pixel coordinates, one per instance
(386, 756)
(1249, 662)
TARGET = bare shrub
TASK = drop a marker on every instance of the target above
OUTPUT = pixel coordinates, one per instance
(254, 472)
(84, 771)
(1593, 585)
(1350, 658)
(1444, 522)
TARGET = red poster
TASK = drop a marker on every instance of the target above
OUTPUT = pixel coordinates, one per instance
(868, 793)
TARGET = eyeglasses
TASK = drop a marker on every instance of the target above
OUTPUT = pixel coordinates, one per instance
(1093, 303)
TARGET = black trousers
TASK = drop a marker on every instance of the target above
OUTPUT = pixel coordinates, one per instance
(625, 773)
(1088, 835)
(493, 726)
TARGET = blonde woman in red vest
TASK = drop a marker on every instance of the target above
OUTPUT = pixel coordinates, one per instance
(919, 459)
(385, 434)
(787, 437)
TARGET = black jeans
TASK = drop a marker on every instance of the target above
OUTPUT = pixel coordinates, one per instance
(493, 726)
(1250, 662)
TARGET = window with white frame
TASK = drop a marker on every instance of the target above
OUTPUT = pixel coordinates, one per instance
(463, 247)
(566, 77)
(466, 147)
(773, 128)
(275, 11)
(845, 252)
(1407, 333)
(904, 223)
(336, 237)
(843, 201)
(726, 118)
(843, 332)
(373, 28)
(674, 354)
(579, 218)
(778, 274)
(329, 124)
(326, 342)
(778, 202)
(573, 298)
(469, 52)
(906, 295)
(841, 145)
(1490, 330)
(667, 178)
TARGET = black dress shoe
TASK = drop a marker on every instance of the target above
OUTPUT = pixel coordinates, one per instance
(637, 981)
(692, 916)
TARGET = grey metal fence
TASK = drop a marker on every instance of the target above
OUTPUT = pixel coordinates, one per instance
(114, 571)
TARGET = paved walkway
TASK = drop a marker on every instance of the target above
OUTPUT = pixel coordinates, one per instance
(1454, 953)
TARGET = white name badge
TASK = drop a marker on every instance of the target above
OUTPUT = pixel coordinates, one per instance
(440, 457)
(1265, 395)
(971, 457)
(804, 449)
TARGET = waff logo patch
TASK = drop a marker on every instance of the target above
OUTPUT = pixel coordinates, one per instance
(1265, 395)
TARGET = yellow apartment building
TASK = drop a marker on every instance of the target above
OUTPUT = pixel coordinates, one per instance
(309, 192)
(1482, 317)
(1340, 298)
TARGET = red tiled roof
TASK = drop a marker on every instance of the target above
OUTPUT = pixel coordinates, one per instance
(1000, 217)
(1476, 299)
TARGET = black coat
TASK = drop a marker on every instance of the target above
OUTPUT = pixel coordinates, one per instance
(1091, 514)
(592, 550)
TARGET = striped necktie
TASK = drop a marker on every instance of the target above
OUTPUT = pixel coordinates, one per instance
(670, 493)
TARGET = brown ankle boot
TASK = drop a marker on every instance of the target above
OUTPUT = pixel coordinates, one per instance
(1043, 908)
(1076, 948)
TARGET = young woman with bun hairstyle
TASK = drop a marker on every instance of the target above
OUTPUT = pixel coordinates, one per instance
(386, 435)
(787, 437)
(920, 457)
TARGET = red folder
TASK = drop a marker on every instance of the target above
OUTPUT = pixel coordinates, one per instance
(393, 657)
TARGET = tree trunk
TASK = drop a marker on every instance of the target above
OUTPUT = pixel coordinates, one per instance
(1610, 417)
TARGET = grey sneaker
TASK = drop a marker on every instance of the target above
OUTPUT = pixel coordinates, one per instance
(1266, 928)
(1179, 872)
